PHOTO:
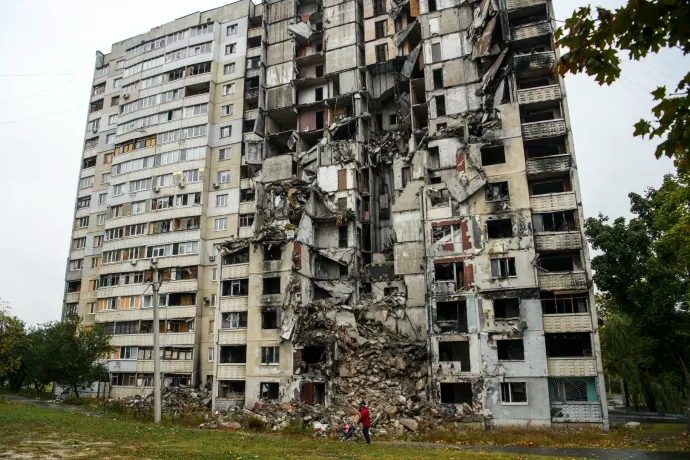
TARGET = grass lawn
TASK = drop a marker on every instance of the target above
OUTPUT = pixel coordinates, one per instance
(28, 431)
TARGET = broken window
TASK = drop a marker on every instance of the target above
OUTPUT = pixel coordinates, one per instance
(270, 355)
(503, 268)
(493, 155)
(318, 94)
(449, 276)
(554, 303)
(177, 325)
(567, 345)
(89, 162)
(499, 228)
(435, 52)
(452, 316)
(545, 147)
(379, 7)
(319, 71)
(440, 106)
(438, 78)
(380, 28)
(320, 117)
(342, 236)
(273, 252)
(233, 389)
(181, 299)
(456, 393)
(510, 350)
(390, 290)
(497, 191)
(269, 390)
(146, 327)
(532, 116)
(233, 354)
(513, 392)
(271, 285)
(406, 173)
(565, 390)
(234, 320)
(507, 308)
(563, 221)
(269, 318)
(246, 220)
(556, 185)
(381, 52)
(313, 393)
(247, 195)
(456, 351)
(434, 158)
(236, 288)
(96, 106)
(557, 262)
(125, 379)
(238, 257)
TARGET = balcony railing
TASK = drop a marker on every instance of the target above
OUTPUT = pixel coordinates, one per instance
(571, 367)
(445, 287)
(553, 202)
(547, 165)
(540, 129)
(570, 281)
(534, 61)
(251, 93)
(539, 94)
(516, 4)
(251, 114)
(558, 241)
(535, 29)
(576, 322)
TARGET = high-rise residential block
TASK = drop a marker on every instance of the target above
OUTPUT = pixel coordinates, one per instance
(298, 166)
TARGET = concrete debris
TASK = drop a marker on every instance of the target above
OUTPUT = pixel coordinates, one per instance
(175, 400)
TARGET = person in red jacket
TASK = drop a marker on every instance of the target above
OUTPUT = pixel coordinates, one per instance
(365, 420)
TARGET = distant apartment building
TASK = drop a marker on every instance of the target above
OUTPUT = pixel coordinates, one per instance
(278, 159)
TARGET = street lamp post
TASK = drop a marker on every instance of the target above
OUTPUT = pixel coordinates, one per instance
(156, 346)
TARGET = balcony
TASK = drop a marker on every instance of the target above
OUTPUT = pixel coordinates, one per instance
(252, 72)
(73, 275)
(445, 287)
(541, 129)
(571, 367)
(533, 30)
(539, 94)
(232, 337)
(232, 371)
(254, 32)
(576, 322)
(570, 281)
(558, 241)
(234, 271)
(251, 93)
(578, 412)
(234, 304)
(251, 114)
(548, 165)
(72, 297)
(167, 366)
(553, 202)
(517, 4)
(254, 52)
(534, 61)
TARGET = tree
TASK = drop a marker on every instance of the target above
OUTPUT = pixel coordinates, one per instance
(12, 342)
(644, 274)
(641, 27)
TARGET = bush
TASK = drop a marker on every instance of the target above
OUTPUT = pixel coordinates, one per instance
(255, 423)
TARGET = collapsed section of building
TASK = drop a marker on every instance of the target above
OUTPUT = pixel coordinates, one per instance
(399, 220)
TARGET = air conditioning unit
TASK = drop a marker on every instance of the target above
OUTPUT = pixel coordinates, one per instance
(181, 185)
(216, 185)
(207, 300)
(125, 96)
(156, 189)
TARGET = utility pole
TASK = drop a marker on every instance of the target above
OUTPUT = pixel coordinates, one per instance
(156, 346)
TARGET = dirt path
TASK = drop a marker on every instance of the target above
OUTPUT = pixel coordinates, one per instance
(53, 405)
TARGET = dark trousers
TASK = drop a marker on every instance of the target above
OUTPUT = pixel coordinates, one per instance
(365, 432)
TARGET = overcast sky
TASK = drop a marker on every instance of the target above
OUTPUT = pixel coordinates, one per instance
(42, 122)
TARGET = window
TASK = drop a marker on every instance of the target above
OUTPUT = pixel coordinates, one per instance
(229, 68)
(379, 7)
(102, 198)
(564, 390)
(493, 155)
(435, 52)
(342, 236)
(438, 78)
(513, 392)
(507, 308)
(499, 228)
(503, 268)
(82, 222)
(233, 354)
(128, 353)
(115, 211)
(228, 89)
(96, 106)
(98, 241)
(270, 355)
(92, 307)
(319, 71)
(497, 191)
(115, 100)
(120, 64)
(195, 110)
(209, 354)
(200, 49)
(235, 288)
(554, 222)
(224, 154)
(269, 390)
(271, 285)
(105, 178)
(100, 219)
(221, 200)
(101, 71)
(84, 202)
(318, 94)
(220, 224)
(225, 131)
(139, 185)
(123, 379)
(138, 207)
(117, 82)
(238, 257)
(511, 350)
(451, 316)
(226, 110)
(96, 262)
(269, 318)
(381, 52)
(86, 182)
(119, 189)
(93, 125)
(231, 48)
(214, 274)
(223, 177)
(232, 29)
(440, 105)
(110, 139)
(246, 220)
(201, 30)
(79, 243)
(568, 345)
(191, 175)
(247, 195)
(552, 303)
(406, 173)
(213, 300)
(457, 351)
(107, 158)
(456, 393)
(556, 185)
(234, 320)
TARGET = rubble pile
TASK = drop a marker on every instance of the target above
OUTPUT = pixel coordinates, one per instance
(178, 400)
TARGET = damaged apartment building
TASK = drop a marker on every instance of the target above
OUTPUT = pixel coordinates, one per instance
(307, 172)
